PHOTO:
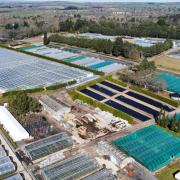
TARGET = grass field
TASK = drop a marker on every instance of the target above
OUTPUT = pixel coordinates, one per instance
(168, 63)
(167, 173)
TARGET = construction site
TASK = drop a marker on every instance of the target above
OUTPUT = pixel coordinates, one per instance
(84, 122)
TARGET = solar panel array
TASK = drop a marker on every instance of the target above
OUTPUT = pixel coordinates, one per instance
(74, 167)
(21, 71)
(94, 63)
(6, 166)
(151, 146)
(132, 103)
(48, 145)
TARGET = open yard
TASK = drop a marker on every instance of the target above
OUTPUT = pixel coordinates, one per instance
(168, 63)
(167, 173)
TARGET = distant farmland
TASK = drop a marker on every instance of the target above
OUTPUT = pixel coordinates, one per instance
(169, 63)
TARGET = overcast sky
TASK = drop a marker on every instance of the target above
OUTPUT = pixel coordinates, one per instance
(99, 0)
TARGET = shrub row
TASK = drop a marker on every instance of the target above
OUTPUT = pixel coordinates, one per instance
(90, 83)
(57, 86)
(76, 95)
(116, 81)
(156, 96)
(8, 136)
(109, 78)
(55, 60)
(40, 89)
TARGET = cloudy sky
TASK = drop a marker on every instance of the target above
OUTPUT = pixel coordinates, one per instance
(99, 0)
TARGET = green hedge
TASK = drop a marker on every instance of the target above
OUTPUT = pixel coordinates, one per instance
(57, 86)
(156, 96)
(116, 81)
(109, 78)
(55, 60)
(76, 95)
(8, 136)
(79, 88)
(39, 89)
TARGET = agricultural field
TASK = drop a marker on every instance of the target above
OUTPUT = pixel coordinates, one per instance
(167, 173)
(168, 63)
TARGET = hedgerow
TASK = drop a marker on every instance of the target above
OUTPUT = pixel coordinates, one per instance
(156, 96)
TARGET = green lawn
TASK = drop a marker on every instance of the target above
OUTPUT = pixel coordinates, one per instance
(167, 173)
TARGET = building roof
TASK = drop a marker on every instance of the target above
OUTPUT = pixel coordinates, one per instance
(49, 145)
(51, 103)
(177, 175)
(15, 177)
(6, 166)
(2, 152)
(177, 95)
(12, 126)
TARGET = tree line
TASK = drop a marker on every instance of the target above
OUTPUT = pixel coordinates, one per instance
(117, 48)
(20, 104)
(99, 45)
(158, 29)
(172, 124)
(143, 76)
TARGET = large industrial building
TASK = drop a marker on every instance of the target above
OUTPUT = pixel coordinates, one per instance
(12, 126)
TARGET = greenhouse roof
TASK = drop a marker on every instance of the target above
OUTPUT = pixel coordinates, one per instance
(22, 71)
(15, 129)
(6, 166)
(151, 146)
(49, 145)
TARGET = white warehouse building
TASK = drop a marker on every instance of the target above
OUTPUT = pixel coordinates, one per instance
(56, 109)
(12, 126)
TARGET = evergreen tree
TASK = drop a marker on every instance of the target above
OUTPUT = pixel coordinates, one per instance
(46, 41)
(20, 104)
(178, 128)
(117, 47)
(173, 126)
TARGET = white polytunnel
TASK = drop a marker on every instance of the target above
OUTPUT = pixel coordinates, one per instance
(12, 126)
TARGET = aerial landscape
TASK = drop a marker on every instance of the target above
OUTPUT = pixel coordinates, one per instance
(89, 90)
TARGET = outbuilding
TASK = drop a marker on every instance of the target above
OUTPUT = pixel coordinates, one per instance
(175, 96)
(12, 126)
